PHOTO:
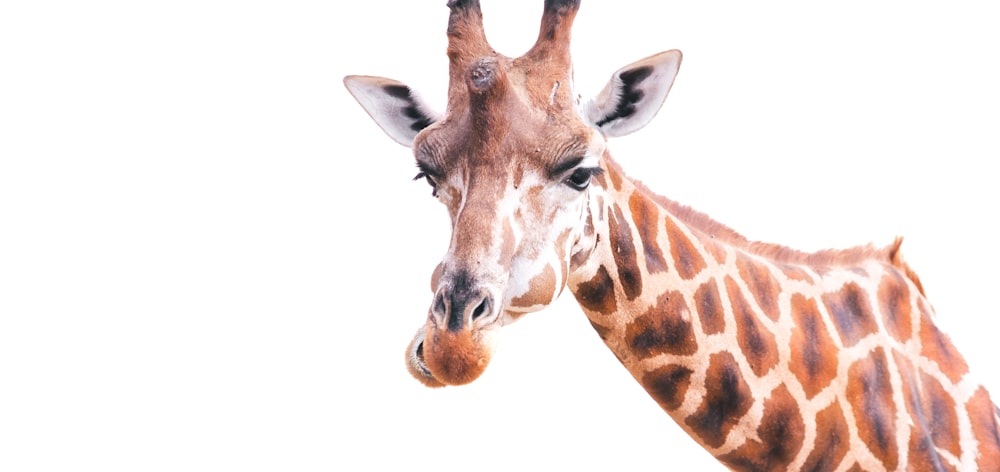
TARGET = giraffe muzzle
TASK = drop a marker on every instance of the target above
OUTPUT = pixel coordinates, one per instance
(457, 342)
(439, 357)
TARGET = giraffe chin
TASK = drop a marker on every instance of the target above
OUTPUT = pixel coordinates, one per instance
(440, 357)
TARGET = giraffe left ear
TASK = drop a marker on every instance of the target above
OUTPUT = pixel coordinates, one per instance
(394, 106)
(635, 93)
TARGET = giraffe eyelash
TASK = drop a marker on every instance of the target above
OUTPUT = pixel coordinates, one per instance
(424, 174)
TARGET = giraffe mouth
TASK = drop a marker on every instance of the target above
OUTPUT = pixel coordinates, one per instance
(416, 363)
(438, 357)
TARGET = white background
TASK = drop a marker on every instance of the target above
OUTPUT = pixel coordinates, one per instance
(211, 259)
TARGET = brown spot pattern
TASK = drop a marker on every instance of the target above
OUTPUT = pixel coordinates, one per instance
(667, 385)
(723, 406)
(832, 440)
(985, 429)
(715, 249)
(686, 258)
(757, 344)
(851, 312)
(894, 302)
(623, 249)
(761, 284)
(541, 289)
(614, 176)
(709, 306)
(814, 354)
(922, 455)
(781, 434)
(579, 258)
(795, 273)
(664, 329)
(870, 395)
(936, 346)
(645, 216)
(598, 293)
(942, 413)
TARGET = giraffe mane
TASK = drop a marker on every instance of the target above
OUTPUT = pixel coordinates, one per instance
(714, 230)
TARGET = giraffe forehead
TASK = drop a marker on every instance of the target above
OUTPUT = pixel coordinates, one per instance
(491, 80)
(507, 114)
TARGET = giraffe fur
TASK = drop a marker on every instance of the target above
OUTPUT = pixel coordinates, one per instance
(770, 358)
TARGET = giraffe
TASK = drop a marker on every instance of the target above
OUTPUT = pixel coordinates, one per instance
(770, 358)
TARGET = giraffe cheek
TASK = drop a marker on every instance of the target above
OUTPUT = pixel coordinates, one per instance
(458, 358)
(542, 291)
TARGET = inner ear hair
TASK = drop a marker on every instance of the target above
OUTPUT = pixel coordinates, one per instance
(628, 94)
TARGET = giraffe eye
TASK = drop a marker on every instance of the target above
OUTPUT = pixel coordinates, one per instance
(580, 178)
(428, 173)
(430, 181)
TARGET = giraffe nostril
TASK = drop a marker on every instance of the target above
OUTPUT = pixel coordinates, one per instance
(481, 309)
(439, 305)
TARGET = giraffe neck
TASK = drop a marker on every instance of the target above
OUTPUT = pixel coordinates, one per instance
(774, 359)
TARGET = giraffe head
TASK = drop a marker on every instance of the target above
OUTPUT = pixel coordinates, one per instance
(512, 159)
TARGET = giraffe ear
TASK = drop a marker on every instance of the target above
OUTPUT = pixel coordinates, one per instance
(635, 93)
(396, 108)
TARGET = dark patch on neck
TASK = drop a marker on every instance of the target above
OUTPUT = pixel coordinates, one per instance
(894, 300)
(870, 394)
(664, 329)
(934, 413)
(940, 406)
(598, 293)
(756, 343)
(686, 258)
(727, 399)
(645, 216)
(985, 429)
(851, 312)
(709, 305)
(814, 355)
(761, 283)
(781, 433)
(832, 440)
(623, 249)
(668, 384)
(810, 346)
(936, 346)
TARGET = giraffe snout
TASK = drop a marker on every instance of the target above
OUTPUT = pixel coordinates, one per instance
(456, 311)
(462, 304)
(457, 342)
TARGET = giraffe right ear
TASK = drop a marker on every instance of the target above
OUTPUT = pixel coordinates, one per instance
(634, 94)
(396, 108)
